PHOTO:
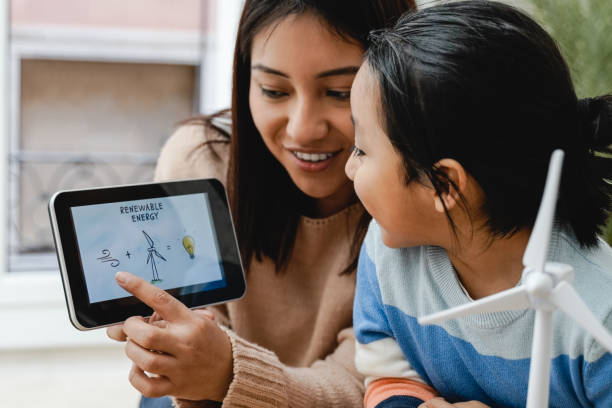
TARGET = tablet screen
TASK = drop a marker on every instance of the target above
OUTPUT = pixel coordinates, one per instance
(168, 241)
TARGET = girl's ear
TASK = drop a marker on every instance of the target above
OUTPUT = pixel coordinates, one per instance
(451, 195)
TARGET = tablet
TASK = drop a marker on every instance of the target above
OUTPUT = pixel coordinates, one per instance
(177, 235)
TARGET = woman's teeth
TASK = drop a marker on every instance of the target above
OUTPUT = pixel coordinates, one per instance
(313, 157)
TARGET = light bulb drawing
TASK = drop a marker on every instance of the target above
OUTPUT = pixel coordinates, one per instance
(151, 258)
(189, 244)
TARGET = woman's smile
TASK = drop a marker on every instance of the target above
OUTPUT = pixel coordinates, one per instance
(314, 160)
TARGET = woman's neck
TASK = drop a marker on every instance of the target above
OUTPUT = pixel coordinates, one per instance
(486, 267)
(328, 206)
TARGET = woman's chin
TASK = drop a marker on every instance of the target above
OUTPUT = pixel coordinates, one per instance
(318, 188)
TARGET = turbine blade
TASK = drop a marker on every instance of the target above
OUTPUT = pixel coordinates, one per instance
(565, 297)
(511, 299)
(537, 247)
(157, 254)
(149, 240)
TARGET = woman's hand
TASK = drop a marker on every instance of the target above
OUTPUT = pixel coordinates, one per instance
(441, 403)
(186, 354)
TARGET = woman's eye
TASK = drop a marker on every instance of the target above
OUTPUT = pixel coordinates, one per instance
(342, 95)
(271, 93)
(358, 152)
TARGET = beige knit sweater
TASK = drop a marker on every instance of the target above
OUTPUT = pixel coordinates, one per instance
(291, 334)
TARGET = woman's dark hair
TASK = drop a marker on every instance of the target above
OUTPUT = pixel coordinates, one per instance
(266, 204)
(482, 83)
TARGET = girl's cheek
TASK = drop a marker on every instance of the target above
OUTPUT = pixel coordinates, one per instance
(361, 190)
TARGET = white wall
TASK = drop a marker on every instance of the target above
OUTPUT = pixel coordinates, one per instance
(50, 378)
(45, 362)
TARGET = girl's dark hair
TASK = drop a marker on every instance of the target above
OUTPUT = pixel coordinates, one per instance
(482, 83)
(266, 204)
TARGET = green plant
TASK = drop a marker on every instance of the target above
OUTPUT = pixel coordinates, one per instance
(583, 30)
(608, 231)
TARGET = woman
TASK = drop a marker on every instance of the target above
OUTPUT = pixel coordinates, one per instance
(289, 341)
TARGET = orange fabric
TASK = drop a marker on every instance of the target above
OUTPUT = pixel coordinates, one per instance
(384, 388)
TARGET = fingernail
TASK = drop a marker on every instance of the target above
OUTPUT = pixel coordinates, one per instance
(121, 277)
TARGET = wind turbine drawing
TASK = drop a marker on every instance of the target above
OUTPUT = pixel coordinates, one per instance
(151, 258)
(546, 286)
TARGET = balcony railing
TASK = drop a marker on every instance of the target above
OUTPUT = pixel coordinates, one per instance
(35, 176)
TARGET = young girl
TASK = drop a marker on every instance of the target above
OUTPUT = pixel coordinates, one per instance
(471, 98)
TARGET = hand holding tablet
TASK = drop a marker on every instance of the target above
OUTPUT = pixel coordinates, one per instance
(188, 346)
(178, 236)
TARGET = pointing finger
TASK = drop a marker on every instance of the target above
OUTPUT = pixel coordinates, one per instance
(166, 306)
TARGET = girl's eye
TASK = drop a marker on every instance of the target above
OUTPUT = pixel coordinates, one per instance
(271, 93)
(341, 95)
(358, 152)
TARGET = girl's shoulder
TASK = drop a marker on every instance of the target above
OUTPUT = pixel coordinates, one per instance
(199, 148)
(593, 282)
(393, 261)
(592, 264)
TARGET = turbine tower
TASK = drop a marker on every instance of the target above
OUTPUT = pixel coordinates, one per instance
(151, 258)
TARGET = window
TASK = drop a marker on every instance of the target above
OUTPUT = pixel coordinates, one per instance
(85, 124)
(92, 101)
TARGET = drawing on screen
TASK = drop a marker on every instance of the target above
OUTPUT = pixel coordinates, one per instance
(189, 244)
(151, 258)
(106, 257)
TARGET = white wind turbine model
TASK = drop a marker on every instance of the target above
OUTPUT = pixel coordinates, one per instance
(545, 287)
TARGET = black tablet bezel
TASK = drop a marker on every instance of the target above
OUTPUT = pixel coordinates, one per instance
(85, 315)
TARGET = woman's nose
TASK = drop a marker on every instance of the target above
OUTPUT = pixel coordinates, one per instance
(306, 122)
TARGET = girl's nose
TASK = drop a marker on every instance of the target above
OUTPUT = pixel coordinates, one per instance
(351, 166)
(306, 123)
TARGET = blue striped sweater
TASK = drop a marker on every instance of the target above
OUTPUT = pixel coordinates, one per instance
(482, 357)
